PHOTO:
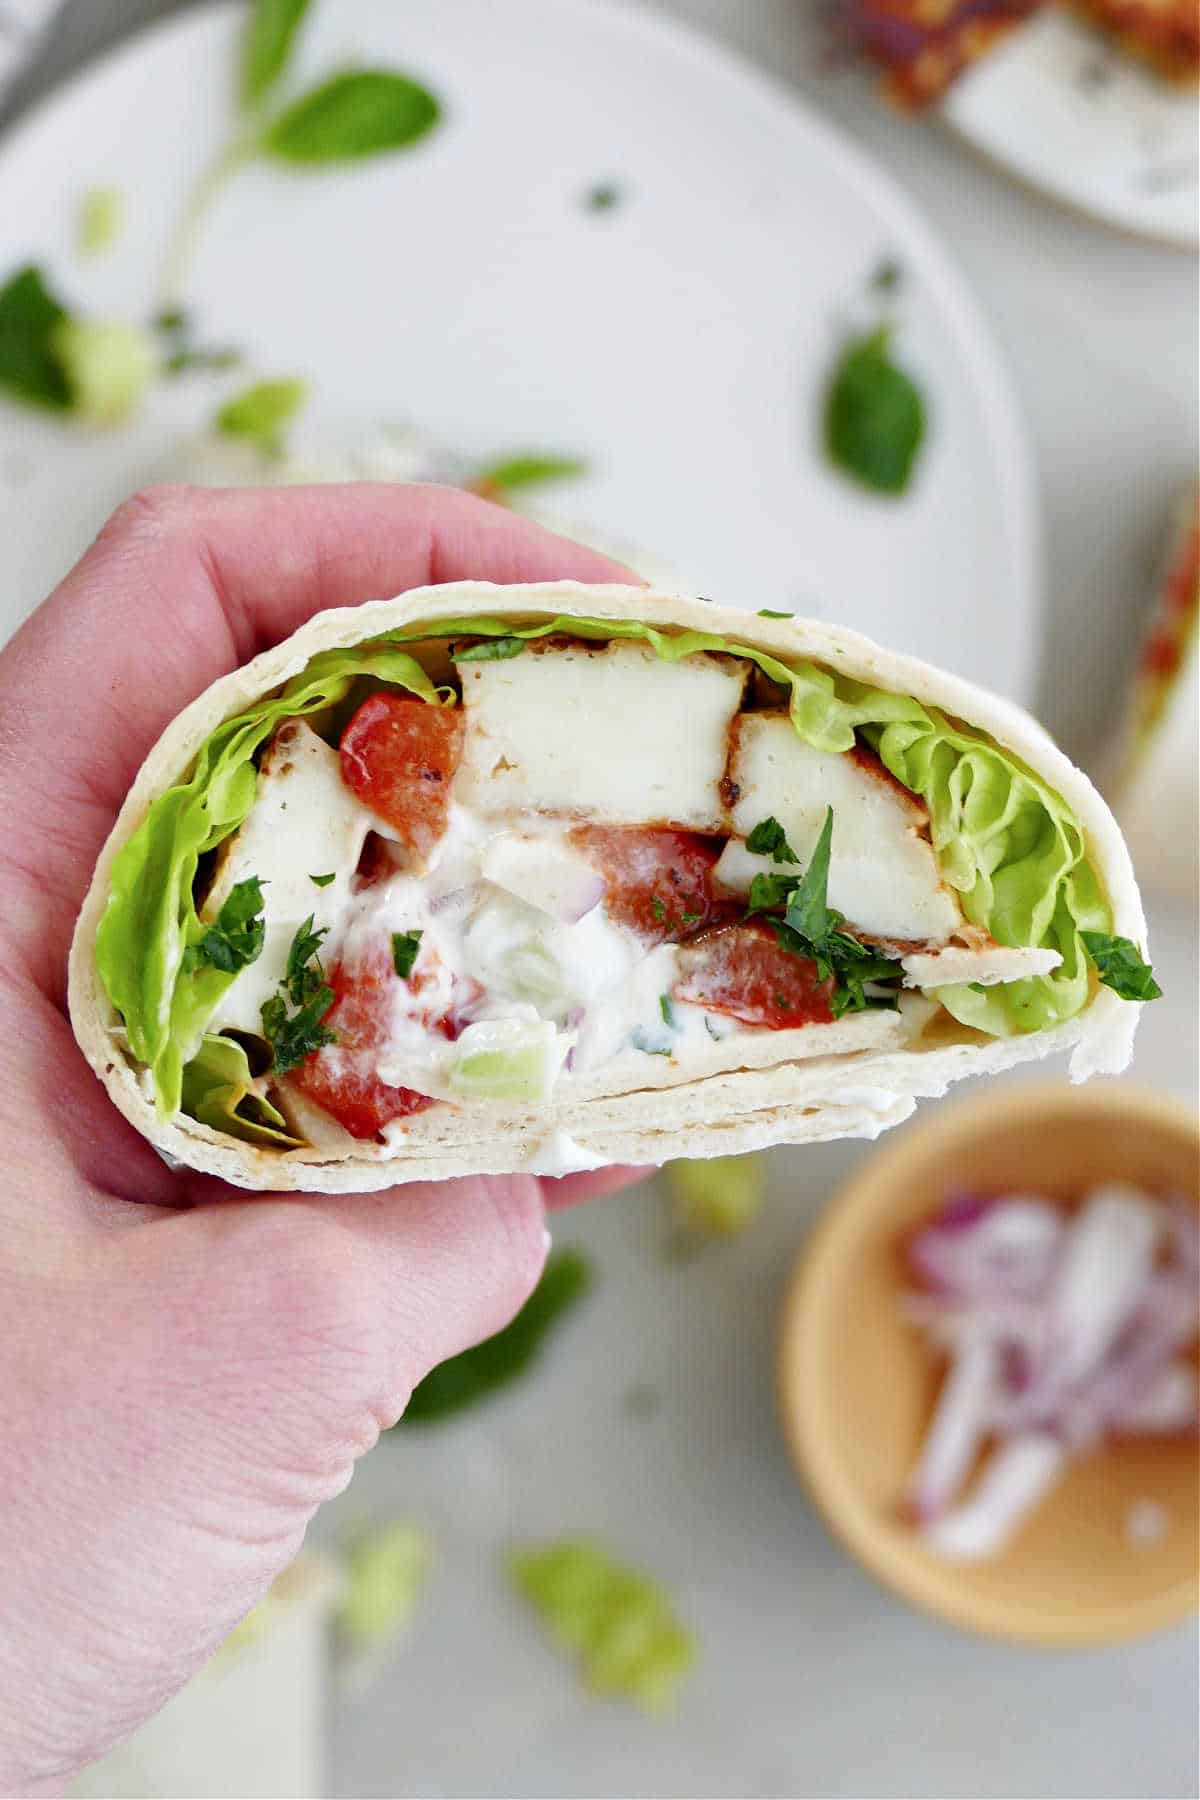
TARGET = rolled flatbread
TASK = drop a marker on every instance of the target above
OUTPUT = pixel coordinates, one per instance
(485, 879)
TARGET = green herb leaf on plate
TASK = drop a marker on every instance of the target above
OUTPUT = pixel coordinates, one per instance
(108, 365)
(29, 365)
(874, 415)
(1120, 966)
(259, 413)
(323, 880)
(406, 946)
(464, 1379)
(362, 112)
(501, 649)
(268, 39)
(385, 1571)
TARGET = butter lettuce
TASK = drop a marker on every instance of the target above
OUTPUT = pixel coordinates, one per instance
(151, 918)
(619, 1622)
(217, 1090)
(1004, 840)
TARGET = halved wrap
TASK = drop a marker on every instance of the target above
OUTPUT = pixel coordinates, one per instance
(484, 879)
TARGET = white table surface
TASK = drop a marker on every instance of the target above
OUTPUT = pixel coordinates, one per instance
(813, 1682)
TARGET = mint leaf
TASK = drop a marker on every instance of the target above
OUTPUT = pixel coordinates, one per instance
(501, 649)
(1120, 966)
(362, 112)
(235, 938)
(874, 416)
(323, 880)
(29, 315)
(512, 473)
(769, 839)
(405, 948)
(260, 412)
(268, 39)
(808, 910)
(500, 1359)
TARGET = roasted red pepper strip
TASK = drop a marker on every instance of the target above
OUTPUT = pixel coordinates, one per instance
(399, 755)
(659, 880)
(745, 971)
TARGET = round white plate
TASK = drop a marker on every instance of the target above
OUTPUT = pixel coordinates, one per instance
(679, 342)
(1076, 117)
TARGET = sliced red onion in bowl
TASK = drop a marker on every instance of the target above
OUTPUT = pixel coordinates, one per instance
(1058, 1330)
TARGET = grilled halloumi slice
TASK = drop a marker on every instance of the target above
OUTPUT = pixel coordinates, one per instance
(883, 875)
(608, 731)
(304, 822)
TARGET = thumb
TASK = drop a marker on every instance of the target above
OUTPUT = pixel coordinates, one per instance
(319, 1315)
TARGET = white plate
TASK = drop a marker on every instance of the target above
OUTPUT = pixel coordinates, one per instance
(1071, 114)
(679, 342)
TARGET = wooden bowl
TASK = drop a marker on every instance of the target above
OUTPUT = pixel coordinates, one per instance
(857, 1384)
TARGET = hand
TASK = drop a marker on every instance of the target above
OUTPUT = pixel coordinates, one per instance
(187, 1373)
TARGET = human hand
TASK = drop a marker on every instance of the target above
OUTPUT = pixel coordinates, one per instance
(187, 1373)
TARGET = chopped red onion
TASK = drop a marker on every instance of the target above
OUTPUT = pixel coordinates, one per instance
(1059, 1331)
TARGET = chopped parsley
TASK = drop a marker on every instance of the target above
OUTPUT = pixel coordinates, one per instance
(235, 938)
(501, 649)
(667, 1010)
(295, 1035)
(1120, 966)
(658, 909)
(323, 880)
(405, 948)
(769, 839)
(764, 612)
(605, 196)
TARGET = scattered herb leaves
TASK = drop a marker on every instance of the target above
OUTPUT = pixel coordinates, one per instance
(236, 936)
(406, 947)
(769, 839)
(808, 911)
(501, 649)
(29, 316)
(179, 350)
(358, 113)
(268, 40)
(658, 909)
(1120, 966)
(874, 415)
(464, 1379)
(323, 880)
(667, 1010)
(764, 612)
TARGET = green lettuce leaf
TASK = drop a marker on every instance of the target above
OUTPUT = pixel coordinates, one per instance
(619, 1622)
(150, 920)
(217, 1090)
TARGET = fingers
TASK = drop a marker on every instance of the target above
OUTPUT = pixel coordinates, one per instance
(570, 1190)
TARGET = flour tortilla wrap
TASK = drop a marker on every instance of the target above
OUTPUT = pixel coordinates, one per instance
(853, 1076)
